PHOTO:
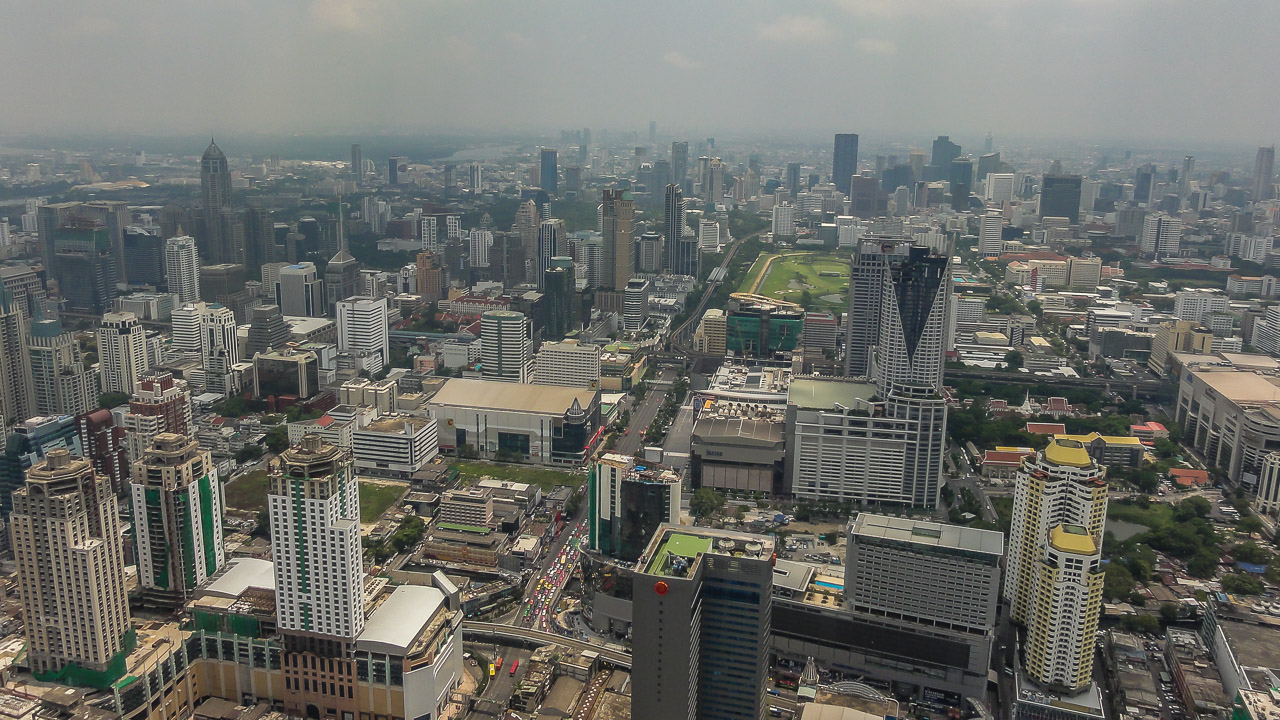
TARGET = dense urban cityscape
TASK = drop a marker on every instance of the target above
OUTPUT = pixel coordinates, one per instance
(640, 421)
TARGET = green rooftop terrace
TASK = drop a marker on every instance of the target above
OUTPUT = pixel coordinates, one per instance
(678, 545)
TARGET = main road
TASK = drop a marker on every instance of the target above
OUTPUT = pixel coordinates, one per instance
(678, 336)
(644, 412)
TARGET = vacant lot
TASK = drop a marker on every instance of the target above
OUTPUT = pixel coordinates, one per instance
(248, 492)
(545, 479)
(825, 277)
(376, 497)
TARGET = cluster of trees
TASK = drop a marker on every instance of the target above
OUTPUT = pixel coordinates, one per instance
(410, 532)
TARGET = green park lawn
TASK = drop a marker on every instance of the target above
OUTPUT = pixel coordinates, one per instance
(471, 471)
(375, 498)
(790, 276)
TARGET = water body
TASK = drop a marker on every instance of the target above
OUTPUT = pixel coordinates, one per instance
(478, 154)
(1123, 530)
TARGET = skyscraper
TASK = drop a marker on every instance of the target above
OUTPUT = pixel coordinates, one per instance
(122, 352)
(70, 569)
(551, 242)
(714, 187)
(393, 170)
(702, 607)
(362, 328)
(870, 261)
(314, 503)
(215, 195)
(182, 269)
(679, 162)
(177, 508)
(1184, 179)
(267, 330)
(1161, 235)
(160, 404)
(506, 346)
(548, 173)
(560, 297)
(1144, 184)
(617, 215)
(793, 178)
(62, 384)
(990, 238)
(1060, 196)
(17, 399)
(844, 161)
(627, 504)
(944, 151)
(1053, 577)
(682, 256)
(357, 162)
(84, 263)
(1263, 172)
(299, 292)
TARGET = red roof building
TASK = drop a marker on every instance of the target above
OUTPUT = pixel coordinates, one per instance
(1037, 428)
(1186, 477)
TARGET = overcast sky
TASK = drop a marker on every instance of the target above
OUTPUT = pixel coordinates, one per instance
(1130, 70)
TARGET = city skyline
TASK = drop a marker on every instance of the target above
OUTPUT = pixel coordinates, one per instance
(910, 60)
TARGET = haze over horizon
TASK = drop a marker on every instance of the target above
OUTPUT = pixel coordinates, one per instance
(1141, 71)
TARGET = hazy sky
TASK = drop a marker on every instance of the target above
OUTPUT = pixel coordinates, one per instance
(1130, 70)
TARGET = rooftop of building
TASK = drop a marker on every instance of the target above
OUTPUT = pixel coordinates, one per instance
(1086, 703)
(823, 394)
(923, 532)
(1073, 539)
(394, 625)
(241, 574)
(760, 431)
(792, 576)
(1242, 386)
(515, 397)
(1067, 451)
(396, 425)
(674, 550)
(1108, 439)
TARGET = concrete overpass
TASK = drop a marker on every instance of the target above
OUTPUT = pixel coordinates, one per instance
(474, 631)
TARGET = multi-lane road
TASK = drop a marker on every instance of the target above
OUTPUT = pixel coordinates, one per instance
(643, 413)
(543, 594)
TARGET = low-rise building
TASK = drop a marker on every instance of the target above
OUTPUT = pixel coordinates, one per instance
(544, 424)
(395, 446)
(1110, 450)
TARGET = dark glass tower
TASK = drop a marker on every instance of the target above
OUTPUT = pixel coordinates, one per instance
(844, 161)
(215, 195)
(549, 175)
(1060, 197)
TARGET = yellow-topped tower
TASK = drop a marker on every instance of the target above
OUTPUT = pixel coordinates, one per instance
(1053, 578)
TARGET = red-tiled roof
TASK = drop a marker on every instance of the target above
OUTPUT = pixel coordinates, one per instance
(1046, 428)
(1002, 457)
(1187, 477)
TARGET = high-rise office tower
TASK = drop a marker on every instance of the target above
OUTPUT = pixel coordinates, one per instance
(1060, 196)
(362, 328)
(1263, 172)
(103, 445)
(314, 503)
(70, 568)
(617, 216)
(267, 330)
(987, 163)
(357, 162)
(560, 297)
(870, 261)
(548, 172)
(342, 274)
(17, 398)
(649, 252)
(990, 238)
(122, 352)
(1053, 576)
(182, 268)
(682, 255)
(160, 404)
(551, 242)
(999, 187)
(480, 243)
(177, 508)
(1184, 180)
(844, 161)
(793, 178)
(961, 180)
(526, 227)
(1144, 184)
(61, 383)
(83, 262)
(215, 195)
(714, 187)
(393, 170)
(944, 151)
(1161, 235)
(299, 292)
(679, 162)
(475, 177)
(987, 143)
(506, 346)
(144, 256)
(627, 504)
(219, 349)
(703, 599)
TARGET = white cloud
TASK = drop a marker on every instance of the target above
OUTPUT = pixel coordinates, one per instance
(794, 28)
(677, 59)
(871, 46)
